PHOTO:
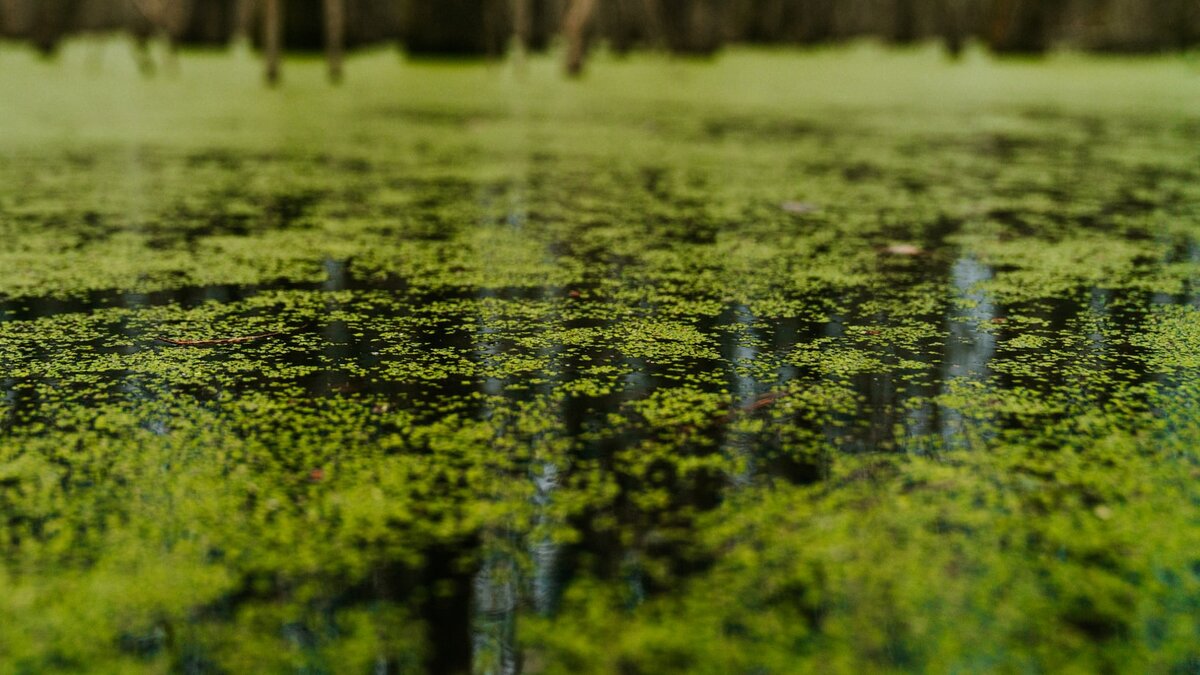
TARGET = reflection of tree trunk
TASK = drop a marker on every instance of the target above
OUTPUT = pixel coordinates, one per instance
(575, 29)
(272, 37)
(335, 37)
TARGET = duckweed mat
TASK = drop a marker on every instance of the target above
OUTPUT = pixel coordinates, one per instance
(845, 361)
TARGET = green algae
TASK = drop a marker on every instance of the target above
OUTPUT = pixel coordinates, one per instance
(562, 382)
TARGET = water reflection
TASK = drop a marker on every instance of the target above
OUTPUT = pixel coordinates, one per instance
(969, 350)
(970, 345)
(740, 349)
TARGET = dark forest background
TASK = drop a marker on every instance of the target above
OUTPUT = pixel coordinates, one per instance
(487, 27)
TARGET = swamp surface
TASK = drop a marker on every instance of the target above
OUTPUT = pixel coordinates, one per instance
(843, 361)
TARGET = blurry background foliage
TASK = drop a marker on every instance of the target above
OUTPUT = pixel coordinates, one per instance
(490, 27)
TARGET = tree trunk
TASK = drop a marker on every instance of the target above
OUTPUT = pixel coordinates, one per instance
(52, 22)
(951, 24)
(272, 38)
(522, 24)
(243, 20)
(654, 27)
(1023, 26)
(449, 27)
(211, 22)
(335, 37)
(819, 22)
(575, 30)
(904, 22)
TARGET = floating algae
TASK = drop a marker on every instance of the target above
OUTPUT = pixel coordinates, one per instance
(576, 393)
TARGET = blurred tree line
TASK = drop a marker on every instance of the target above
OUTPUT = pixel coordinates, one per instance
(490, 27)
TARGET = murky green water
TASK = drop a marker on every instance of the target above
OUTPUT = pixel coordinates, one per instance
(844, 361)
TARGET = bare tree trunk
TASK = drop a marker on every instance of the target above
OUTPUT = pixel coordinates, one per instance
(654, 26)
(166, 20)
(175, 19)
(575, 28)
(52, 22)
(904, 22)
(272, 37)
(244, 12)
(951, 22)
(335, 37)
(497, 27)
(522, 24)
(1023, 26)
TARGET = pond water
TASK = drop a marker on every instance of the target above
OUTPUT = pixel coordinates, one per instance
(715, 367)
